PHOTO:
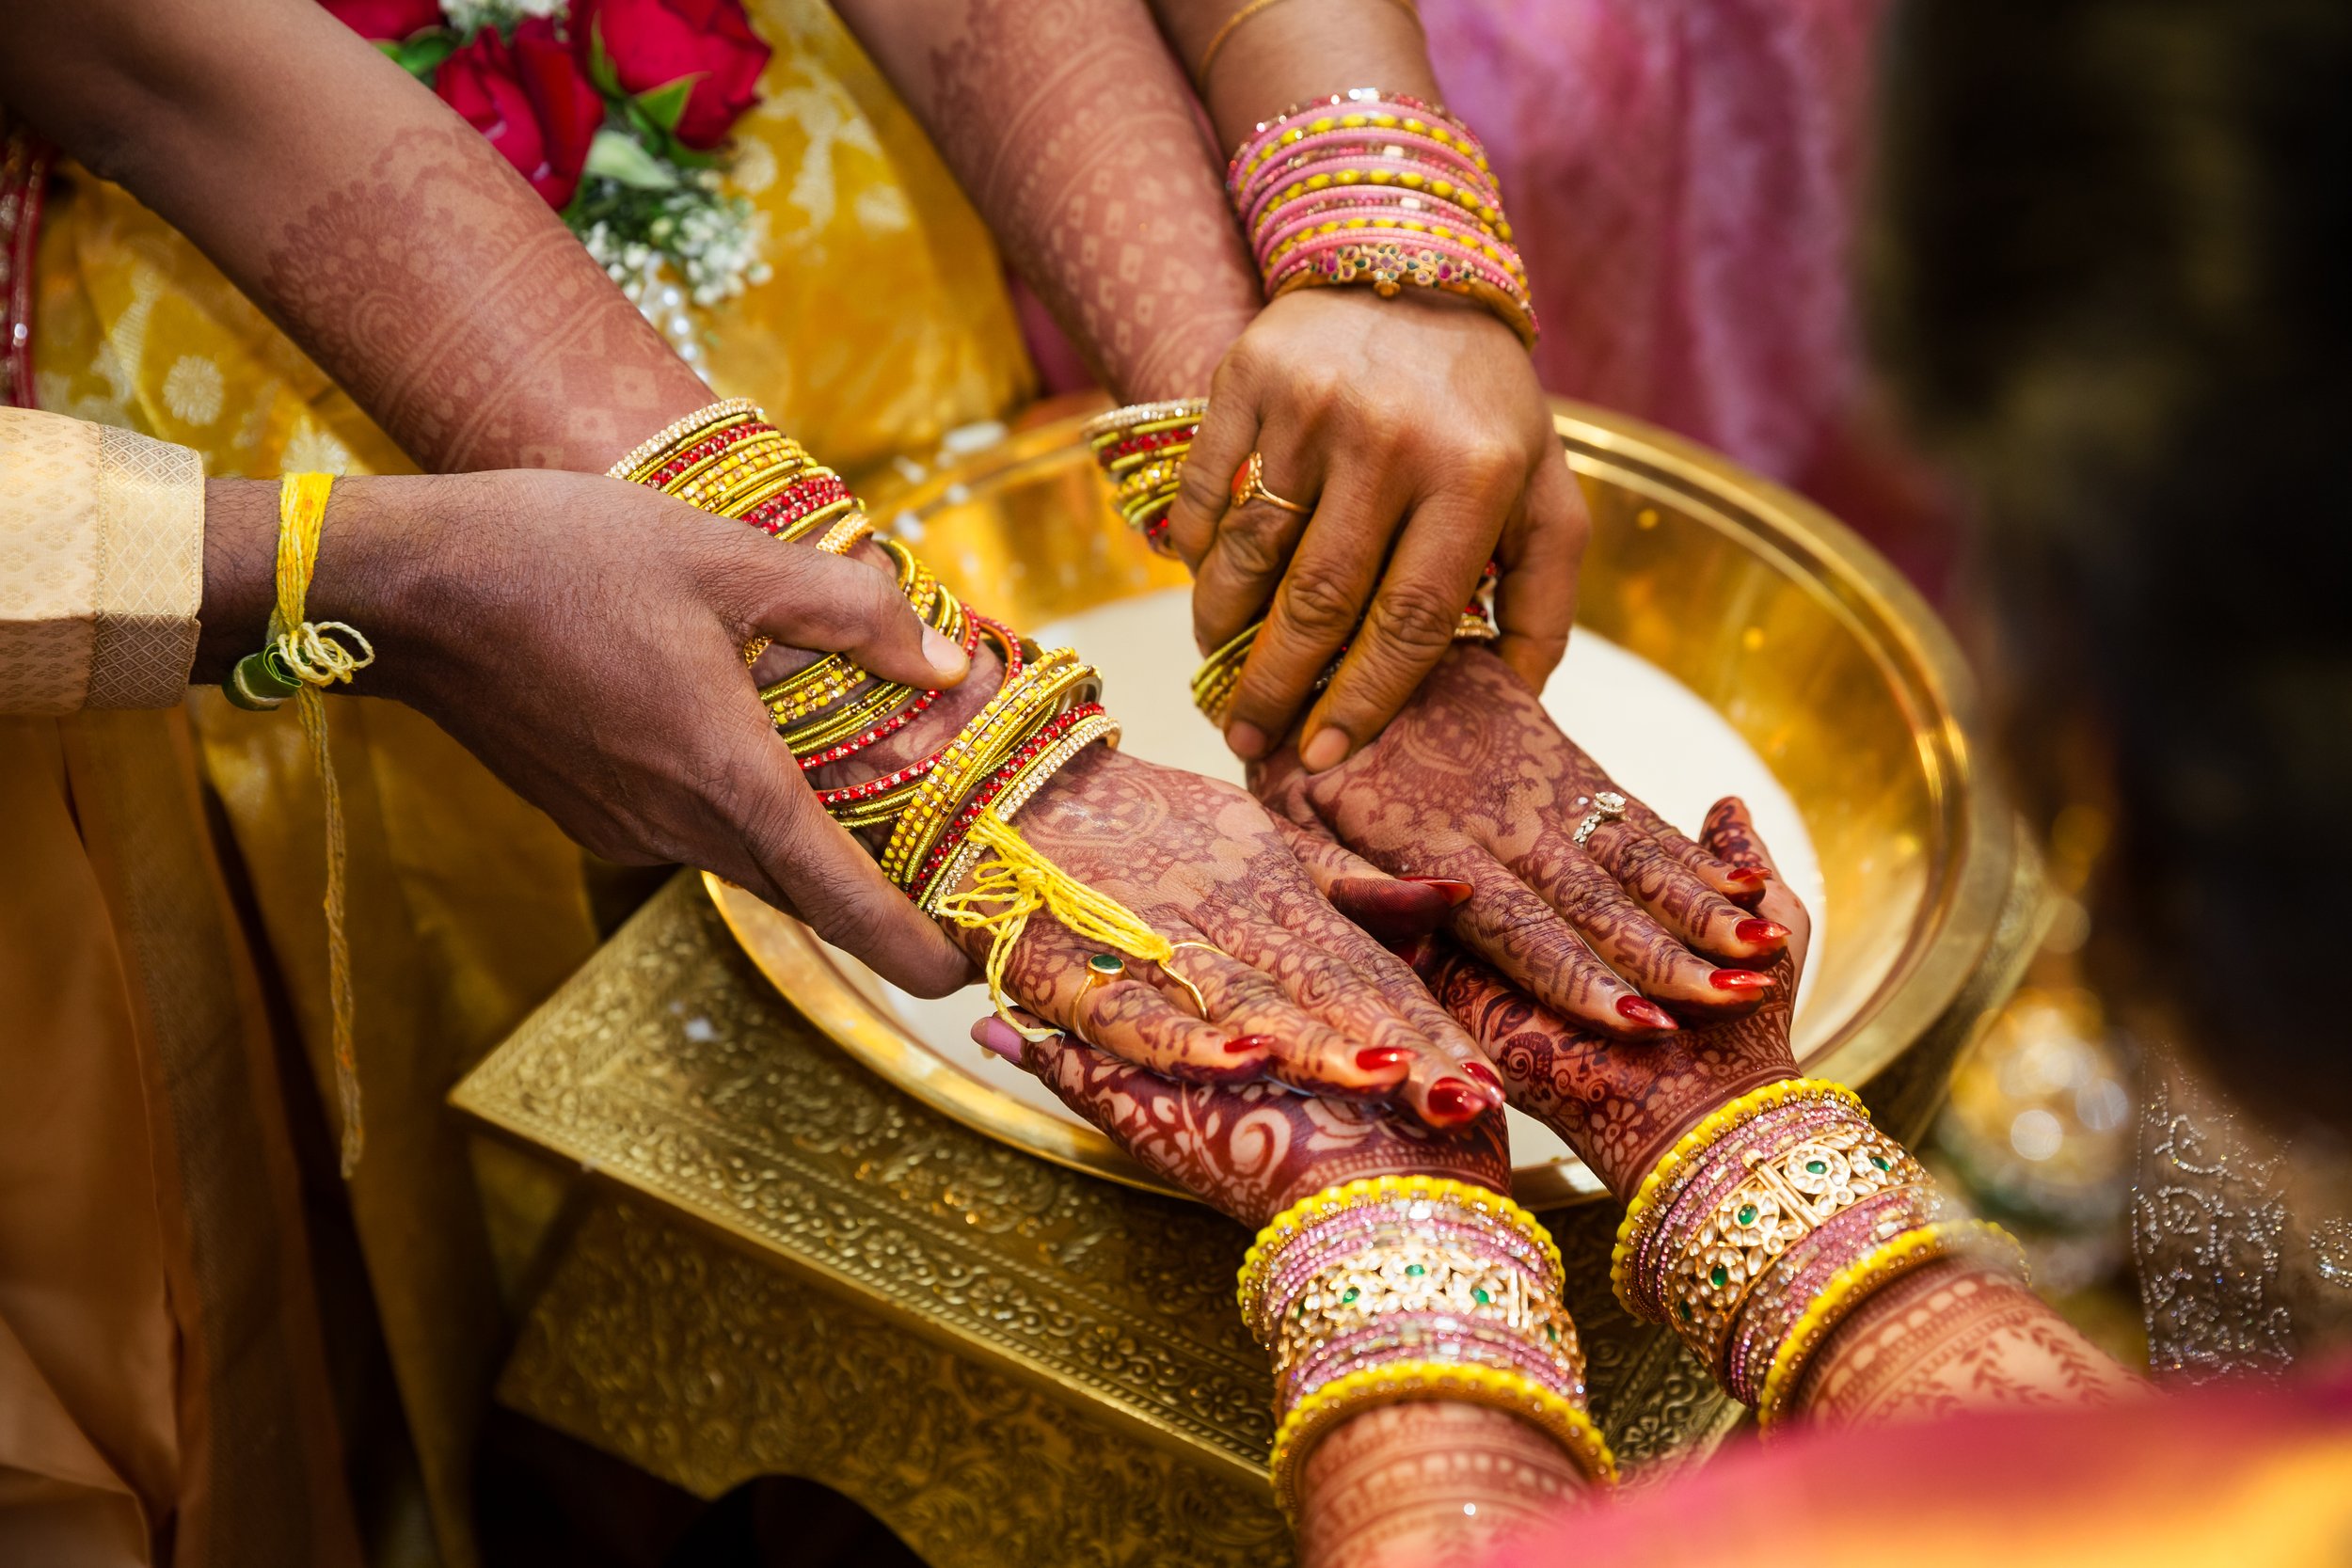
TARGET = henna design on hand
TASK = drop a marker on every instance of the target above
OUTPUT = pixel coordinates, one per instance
(1621, 1105)
(1950, 1337)
(1202, 861)
(1248, 1151)
(1474, 781)
(459, 311)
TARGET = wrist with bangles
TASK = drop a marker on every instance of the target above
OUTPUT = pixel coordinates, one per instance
(945, 817)
(1767, 1224)
(1391, 1290)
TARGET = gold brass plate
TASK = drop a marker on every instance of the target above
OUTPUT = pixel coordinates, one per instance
(1823, 659)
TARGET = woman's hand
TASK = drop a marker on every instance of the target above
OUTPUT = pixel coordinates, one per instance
(1414, 430)
(584, 638)
(1475, 782)
(1293, 988)
(1248, 1151)
(1621, 1107)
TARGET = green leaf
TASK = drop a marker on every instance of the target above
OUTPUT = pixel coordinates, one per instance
(664, 104)
(601, 69)
(617, 156)
(420, 55)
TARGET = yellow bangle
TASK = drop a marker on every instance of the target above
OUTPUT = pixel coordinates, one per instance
(1406, 1382)
(1850, 1286)
(1483, 1201)
(1647, 1197)
(990, 736)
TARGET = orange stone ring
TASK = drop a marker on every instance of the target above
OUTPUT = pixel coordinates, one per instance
(1249, 486)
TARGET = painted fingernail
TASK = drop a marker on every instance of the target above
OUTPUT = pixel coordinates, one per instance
(1328, 749)
(1758, 934)
(1451, 1101)
(1483, 1074)
(1648, 1014)
(1245, 739)
(1740, 981)
(1379, 1058)
(945, 655)
(1455, 890)
(1243, 1045)
(1747, 875)
(994, 1033)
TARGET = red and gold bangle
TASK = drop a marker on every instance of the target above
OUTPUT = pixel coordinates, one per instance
(1050, 683)
(1030, 768)
(649, 453)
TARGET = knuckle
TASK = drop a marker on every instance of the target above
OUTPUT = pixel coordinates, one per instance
(1489, 462)
(1315, 600)
(1256, 540)
(1415, 618)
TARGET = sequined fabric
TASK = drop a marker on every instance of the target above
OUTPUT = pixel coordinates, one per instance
(2243, 1243)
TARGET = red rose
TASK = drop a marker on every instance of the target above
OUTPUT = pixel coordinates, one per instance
(652, 43)
(395, 20)
(531, 101)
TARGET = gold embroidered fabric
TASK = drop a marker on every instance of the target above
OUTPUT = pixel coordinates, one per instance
(101, 566)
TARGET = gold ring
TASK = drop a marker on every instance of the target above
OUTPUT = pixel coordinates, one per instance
(756, 647)
(1607, 807)
(1249, 486)
(1102, 969)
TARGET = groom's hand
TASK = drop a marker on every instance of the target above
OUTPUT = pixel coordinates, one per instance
(584, 638)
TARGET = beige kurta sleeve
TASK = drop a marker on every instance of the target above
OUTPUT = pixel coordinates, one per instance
(101, 566)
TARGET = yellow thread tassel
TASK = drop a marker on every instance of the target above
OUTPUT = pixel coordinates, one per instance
(317, 661)
(1015, 881)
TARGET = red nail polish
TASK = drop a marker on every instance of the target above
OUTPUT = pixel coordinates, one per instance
(1747, 875)
(1378, 1058)
(1242, 1044)
(1649, 1015)
(1739, 979)
(1483, 1074)
(1759, 933)
(1455, 890)
(1451, 1100)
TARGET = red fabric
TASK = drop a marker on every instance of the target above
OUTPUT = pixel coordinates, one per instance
(652, 43)
(2014, 1488)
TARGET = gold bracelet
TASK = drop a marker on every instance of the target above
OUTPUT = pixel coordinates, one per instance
(1285, 1227)
(1018, 792)
(994, 732)
(647, 454)
(1217, 40)
(1665, 1181)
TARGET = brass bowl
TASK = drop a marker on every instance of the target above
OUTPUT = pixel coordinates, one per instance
(1810, 645)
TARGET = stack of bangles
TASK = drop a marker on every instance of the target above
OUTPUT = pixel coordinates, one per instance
(1397, 1288)
(1770, 1222)
(1374, 187)
(947, 814)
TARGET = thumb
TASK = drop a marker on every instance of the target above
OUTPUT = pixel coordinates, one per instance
(805, 599)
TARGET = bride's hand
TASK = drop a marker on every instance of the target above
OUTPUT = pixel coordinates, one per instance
(1247, 1151)
(1293, 988)
(1475, 782)
(1621, 1108)
(1416, 430)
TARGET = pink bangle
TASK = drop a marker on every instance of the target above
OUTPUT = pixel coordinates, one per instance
(1404, 226)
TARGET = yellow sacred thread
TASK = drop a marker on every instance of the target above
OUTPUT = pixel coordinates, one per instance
(1015, 881)
(318, 660)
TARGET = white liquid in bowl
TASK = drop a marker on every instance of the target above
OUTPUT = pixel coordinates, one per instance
(1657, 739)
